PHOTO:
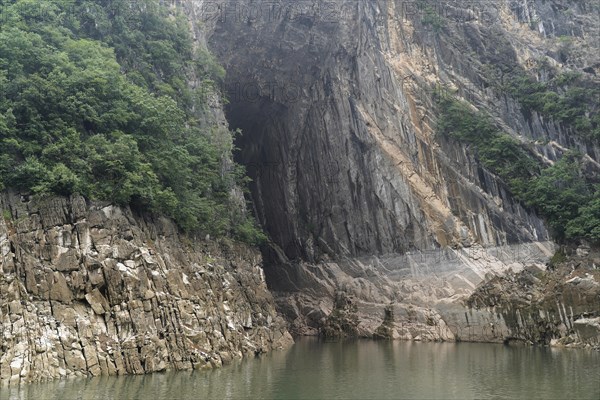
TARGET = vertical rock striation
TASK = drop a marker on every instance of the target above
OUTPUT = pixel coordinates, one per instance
(560, 306)
(89, 289)
(336, 109)
(337, 102)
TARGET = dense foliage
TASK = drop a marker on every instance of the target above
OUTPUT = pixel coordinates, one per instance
(497, 151)
(560, 193)
(94, 99)
(567, 97)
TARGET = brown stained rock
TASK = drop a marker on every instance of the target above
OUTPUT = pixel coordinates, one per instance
(98, 302)
(588, 330)
(67, 261)
(123, 249)
(59, 289)
(386, 329)
(78, 207)
(343, 320)
(115, 285)
(53, 211)
(14, 307)
(176, 284)
(30, 280)
(75, 360)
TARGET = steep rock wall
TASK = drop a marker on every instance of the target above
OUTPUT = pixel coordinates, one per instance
(336, 109)
(89, 289)
(337, 103)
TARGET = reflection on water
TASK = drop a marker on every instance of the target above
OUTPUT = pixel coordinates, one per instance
(314, 369)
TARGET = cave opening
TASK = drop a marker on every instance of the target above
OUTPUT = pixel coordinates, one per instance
(262, 149)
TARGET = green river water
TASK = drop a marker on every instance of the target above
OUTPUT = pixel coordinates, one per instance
(363, 369)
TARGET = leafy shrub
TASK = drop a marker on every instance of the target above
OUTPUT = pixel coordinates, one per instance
(94, 99)
(587, 222)
(497, 151)
(566, 97)
(558, 258)
(560, 193)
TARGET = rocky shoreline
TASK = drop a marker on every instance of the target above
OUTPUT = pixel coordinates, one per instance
(559, 306)
(90, 289)
(536, 300)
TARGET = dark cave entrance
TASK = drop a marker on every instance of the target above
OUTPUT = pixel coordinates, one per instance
(262, 148)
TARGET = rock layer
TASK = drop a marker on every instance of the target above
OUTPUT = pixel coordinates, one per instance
(337, 102)
(560, 306)
(89, 289)
(427, 293)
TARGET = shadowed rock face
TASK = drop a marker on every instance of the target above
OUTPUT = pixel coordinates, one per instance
(337, 103)
(335, 106)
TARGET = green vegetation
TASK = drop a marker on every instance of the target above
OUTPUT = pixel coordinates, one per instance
(559, 257)
(497, 151)
(94, 100)
(429, 14)
(587, 222)
(565, 48)
(432, 18)
(560, 193)
(566, 97)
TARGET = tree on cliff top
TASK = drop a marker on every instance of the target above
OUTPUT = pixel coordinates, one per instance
(94, 99)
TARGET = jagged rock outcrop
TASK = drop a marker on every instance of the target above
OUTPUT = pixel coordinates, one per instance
(89, 289)
(343, 319)
(386, 329)
(559, 306)
(337, 102)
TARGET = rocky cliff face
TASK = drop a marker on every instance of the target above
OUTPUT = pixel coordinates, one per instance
(340, 99)
(378, 224)
(89, 289)
(560, 306)
(337, 103)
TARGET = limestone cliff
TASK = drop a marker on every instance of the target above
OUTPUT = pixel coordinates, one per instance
(337, 102)
(89, 289)
(378, 224)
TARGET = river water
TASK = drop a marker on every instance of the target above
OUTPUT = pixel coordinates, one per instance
(363, 369)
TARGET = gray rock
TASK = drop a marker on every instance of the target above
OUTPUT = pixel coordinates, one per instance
(337, 103)
(83, 312)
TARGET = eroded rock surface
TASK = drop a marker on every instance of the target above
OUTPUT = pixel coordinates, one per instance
(337, 101)
(91, 289)
(427, 292)
(559, 306)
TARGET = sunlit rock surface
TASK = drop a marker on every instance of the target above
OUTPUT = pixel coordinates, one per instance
(91, 289)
